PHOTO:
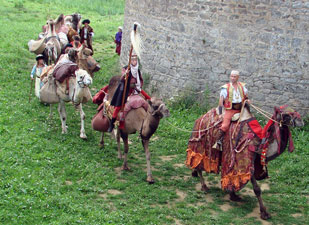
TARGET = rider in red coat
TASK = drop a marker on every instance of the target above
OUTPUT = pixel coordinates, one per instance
(135, 84)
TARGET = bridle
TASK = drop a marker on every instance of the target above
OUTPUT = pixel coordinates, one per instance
(154, 111)
(81, 82)
(293, 116)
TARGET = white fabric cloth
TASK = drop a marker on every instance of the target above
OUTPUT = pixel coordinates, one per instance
(85, 33)
(134, 72)
(236, 94)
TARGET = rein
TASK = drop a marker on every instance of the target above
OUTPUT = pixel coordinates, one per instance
(79, 82)
(263, 112)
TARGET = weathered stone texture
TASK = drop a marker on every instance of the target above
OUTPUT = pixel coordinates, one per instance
(198, 42)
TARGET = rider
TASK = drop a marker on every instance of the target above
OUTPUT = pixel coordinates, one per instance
(232, 97)
(66, 67)
(76, 42)
(135, 84)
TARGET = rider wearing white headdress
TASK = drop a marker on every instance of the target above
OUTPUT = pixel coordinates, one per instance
(135, 80)
(232, 97)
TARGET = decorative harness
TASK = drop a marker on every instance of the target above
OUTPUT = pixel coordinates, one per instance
(264, 136)
(81, 84)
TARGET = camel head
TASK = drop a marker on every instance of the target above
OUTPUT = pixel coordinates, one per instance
(83, 78)
(86, 61)
(287, 116)
(50, 23)
(75, 21)
(158, 108)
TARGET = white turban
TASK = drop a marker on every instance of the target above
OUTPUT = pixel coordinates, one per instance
(235, 72)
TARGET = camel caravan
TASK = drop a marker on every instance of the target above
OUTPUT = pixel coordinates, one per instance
(64, 70)
(227, 139)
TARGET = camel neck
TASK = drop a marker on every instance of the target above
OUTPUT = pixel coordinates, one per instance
(280, 136)
(151, 122)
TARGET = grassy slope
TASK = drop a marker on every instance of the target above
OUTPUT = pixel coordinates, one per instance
(47, 177)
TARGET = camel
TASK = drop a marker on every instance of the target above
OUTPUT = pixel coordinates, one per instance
(246, 160)
(78, 93)
(73, 24)
(138, 120)
(86, 61)
(53, 47)
(73, 21)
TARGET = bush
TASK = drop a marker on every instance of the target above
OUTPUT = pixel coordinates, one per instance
(190, 98)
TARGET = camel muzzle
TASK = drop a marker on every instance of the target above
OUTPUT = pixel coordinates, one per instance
(97, 68)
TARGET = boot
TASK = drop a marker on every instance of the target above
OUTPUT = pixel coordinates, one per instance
(218, 144)
(111, 125)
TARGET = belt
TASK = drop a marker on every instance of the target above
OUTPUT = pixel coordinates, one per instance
(236, 106)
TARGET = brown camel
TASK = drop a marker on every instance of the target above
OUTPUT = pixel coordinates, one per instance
(138, 120)
(241, 158)
(86, 61)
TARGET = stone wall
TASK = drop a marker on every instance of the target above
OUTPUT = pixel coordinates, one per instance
(196, 43)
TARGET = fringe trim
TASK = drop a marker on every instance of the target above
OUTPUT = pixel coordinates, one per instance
(195, 159)
(234, 182)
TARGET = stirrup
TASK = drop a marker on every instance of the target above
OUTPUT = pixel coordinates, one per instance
(217, 146)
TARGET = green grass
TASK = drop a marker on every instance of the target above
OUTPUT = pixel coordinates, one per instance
(49, 178)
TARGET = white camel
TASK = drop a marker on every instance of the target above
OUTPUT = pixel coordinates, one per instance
(53, 47)
(78, 93)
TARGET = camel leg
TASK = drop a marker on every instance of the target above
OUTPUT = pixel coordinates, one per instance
(63, 115)
(194, 173)
(118, 144)
(234, 197)
(204, 188)
(126, 149)
(150, 180)
(257, 190)
(82, 122)
(101, 145)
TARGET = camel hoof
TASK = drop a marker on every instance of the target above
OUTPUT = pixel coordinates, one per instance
(194, 173)
(119, 156)
(150, 180)
(101, 145)
(235, 198)
(265, 215)
(204, 188)
(84, 137)
(64, 132)
(125, 168)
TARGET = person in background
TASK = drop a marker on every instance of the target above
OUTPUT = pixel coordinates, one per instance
(66, 48)
(118, 38)
(76, 42)
(86, 33)
(36, 73)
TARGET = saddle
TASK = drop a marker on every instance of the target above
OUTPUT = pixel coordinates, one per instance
(133, 102)
(245, 115)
